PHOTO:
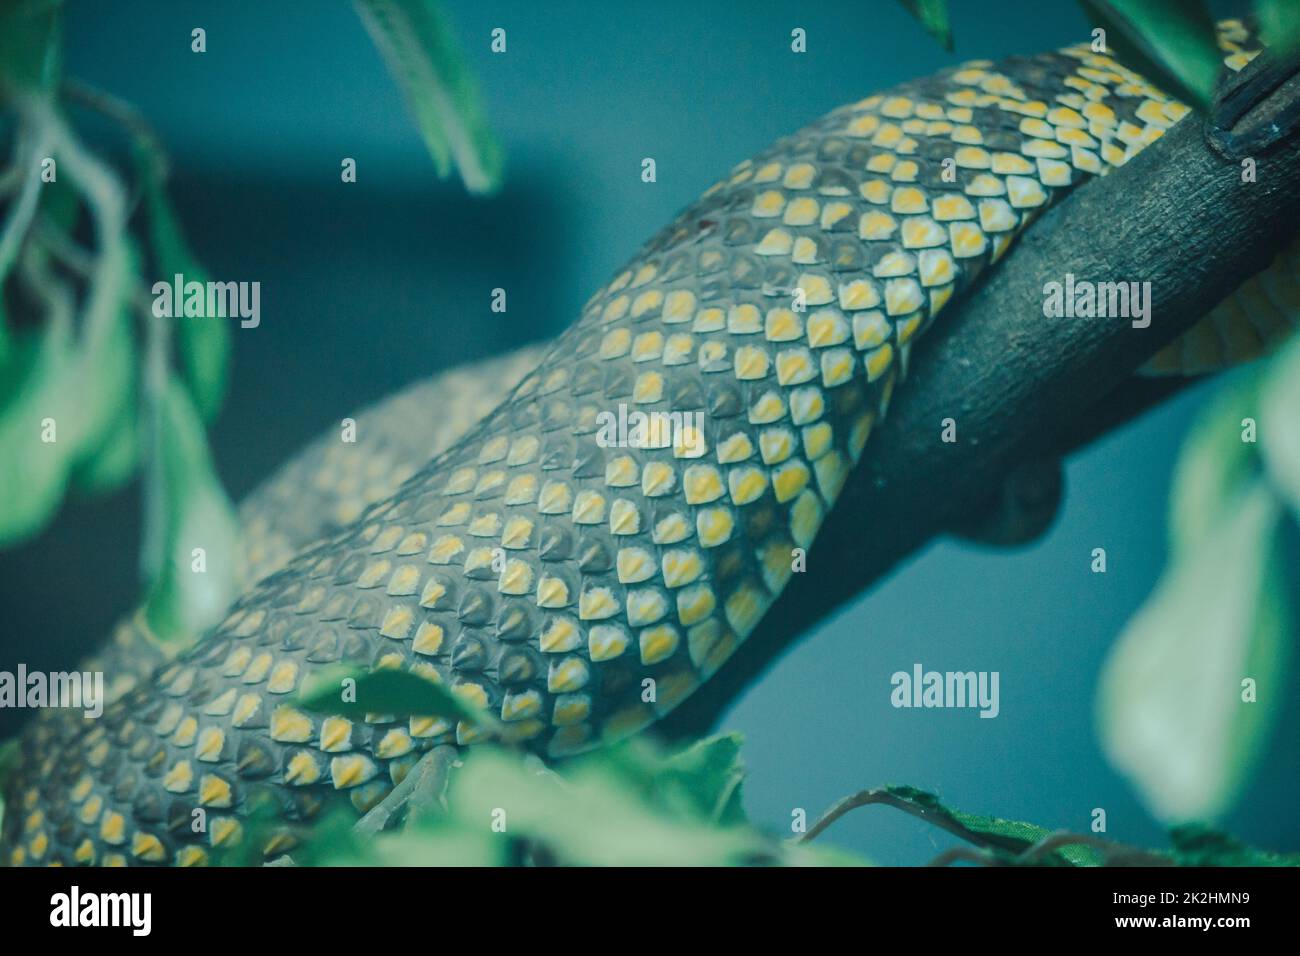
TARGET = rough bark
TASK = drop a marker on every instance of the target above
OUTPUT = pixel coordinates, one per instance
(1019, 384)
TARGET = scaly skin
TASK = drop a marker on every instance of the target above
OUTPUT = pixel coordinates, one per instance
(547, 575)
(322, 488)
(327, 485)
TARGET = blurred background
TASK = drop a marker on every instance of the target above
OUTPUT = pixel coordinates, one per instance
(368, 286)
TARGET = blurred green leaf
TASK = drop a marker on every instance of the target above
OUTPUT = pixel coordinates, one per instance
(422, 55)
(443, 846)
(1170, 704)
(60, 201)
(619, 805)
(82, 384)
(1010, 837)
(386, 691)
(933, 16)
(203, 343)
(1279, 423)
(195, 513)
(1214, 465)
(33, 144)
(1279, 24)
(31, 45)
(703, 780)
(709, 773)
(113, 462)
(105, 385)
(8, 759)
(589, 816)
(819, 854)
(6, 338)
(1170, 42)
(438, 841)
(1198, 845)
(37, 383)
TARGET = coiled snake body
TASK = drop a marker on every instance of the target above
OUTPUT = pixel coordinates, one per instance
(548, 573)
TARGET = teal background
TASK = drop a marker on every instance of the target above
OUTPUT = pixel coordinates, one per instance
(368, 286)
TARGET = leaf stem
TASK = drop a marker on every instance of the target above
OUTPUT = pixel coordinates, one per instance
(37, 141)
(422, 787)
(1114, 854)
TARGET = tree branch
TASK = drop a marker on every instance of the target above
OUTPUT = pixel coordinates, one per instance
(1019, 384)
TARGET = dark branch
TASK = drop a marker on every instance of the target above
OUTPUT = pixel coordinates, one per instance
(1019, 384)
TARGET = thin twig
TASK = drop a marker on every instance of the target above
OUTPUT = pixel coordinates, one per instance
(867, 798)
(146, 139)
(964, 854)
(425, 783)
(20, 219)
(430, 794)
(1114, 854)
(71, 255)
(110, 280)
(155, 373)
(11, 176)
(99, 185)
(1135, 856)
(53, 293)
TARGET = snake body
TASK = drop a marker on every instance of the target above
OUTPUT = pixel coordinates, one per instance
(575, 581)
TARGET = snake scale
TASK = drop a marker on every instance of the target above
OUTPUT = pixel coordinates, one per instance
(550, 574)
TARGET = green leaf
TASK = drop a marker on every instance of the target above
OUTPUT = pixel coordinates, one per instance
(37, 383)
(6, 338)
(1198, 845)
(702, 780)
(1009, 837)
(85, 385)
(595, 810)
(1170, 704)
(203, 343)
(60, 202)
(1279, 424)
(1279, 24)
(819, 854)
(194, 513)
(8, 761)
(105, 386)
(933, 16)
(386, 691)
(113, 463)
(444, 846)
(1170, 42)
(1214, 465)
(418, 47)
(590, 816)
(438, 841)
(709, 773)
(31, 45)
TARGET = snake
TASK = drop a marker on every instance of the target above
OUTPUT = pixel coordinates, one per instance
(576, 536)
